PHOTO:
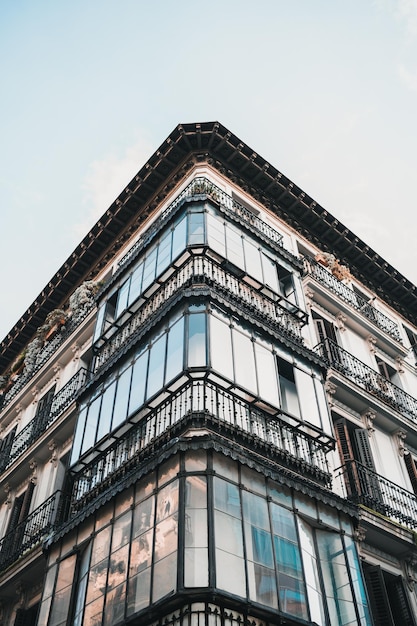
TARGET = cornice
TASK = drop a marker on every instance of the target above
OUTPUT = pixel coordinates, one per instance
(187, 145)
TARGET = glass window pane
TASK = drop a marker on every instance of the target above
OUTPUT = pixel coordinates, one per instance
(79, 435)
(175, 351)
(216, 234)
(137, 390)
(99, 321)
(226, 563)
(141, 553)
(270, 272)
(253, 260)
(307, 397)
(262, 584)
(234, 247)
(164, 577)
(179, 238)
(115, 605)
(221, 356)
(136, 283)
(311, 573)
(106, 411)
(267, 374)
(195, 567)
(156, 366)
(149, 269)
(167, 501)
(289, 396)
(164, 253)
(122, 398)
(122, 298)
(244, 360)
(139, 591)
(91, 425)
(226, 497)
(196, 228)
(228, 532)
(255, 510)
(197, 340)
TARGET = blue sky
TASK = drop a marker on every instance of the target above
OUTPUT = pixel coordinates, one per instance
(326, 90)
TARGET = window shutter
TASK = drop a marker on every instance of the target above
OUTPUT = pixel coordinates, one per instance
(343, 441)
(6, 447)
(363, 448)
(378, 596)
(400, 606)
(412, 470)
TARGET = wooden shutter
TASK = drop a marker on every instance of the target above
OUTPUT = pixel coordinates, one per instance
(363, 448)
(43, 410)
(412, 470)
(400, 606)
(378, 597)
(6, 447)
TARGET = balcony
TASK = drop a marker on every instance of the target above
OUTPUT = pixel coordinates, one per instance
(342, 291)
(367, 378)
(30, 533)
(39, 424)
(203, 187)
(200, 269)
(45, 354)
(203, 404)
(366, 487)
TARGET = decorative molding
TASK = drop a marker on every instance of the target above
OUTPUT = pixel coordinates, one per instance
(57, 371)
(33, 466)
(400, 438)
(400, 364)
(309, 295)
(341, 320)
(368, 417)
(410, 569)
(330, 389)
(75, 349)
(371, 341)
(8, 492)
(360, 535)
(53, 448)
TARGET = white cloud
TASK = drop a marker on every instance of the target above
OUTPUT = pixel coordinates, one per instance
(107, 178)
(407, 11)
(408, 78)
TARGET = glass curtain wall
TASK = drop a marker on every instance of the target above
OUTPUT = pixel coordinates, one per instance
(203, 521)
(199, 225)
(202, 338)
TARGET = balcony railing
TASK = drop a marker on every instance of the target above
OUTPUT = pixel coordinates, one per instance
(289, 442)
(333, 284)
(202, 186)
(30, 533)
(45, 354)
(202, 270)
(368, 379)
(364, 486)
(44, 419)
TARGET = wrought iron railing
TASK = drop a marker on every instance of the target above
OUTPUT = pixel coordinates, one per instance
(367, 378)
(200, 269)
(45, 354)
(324, 277)
(44, 419)
(365, 486)
(202, 186)
(298, 448)
(31, 532)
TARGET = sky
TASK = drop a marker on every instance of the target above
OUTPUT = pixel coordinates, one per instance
(325, 90)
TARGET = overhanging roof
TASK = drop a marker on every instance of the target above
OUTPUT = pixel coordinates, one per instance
(186, 145)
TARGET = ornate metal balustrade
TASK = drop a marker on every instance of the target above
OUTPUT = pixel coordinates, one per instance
(44, 419)
(364, 486)
(333, 284)
(289, 442)
(31, 532)
(367, 378)
(202, 186)
(200, 269)
(45, 354)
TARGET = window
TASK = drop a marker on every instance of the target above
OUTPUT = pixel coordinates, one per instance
(359, 469)
(388, 597)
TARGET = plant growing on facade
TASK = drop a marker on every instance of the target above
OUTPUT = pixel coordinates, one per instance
(83, 297)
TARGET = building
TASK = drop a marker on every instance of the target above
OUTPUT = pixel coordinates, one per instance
(209, 414)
